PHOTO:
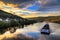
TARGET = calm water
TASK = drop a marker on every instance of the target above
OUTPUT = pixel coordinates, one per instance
(34, 32)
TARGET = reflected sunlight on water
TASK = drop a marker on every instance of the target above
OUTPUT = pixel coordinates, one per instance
(7, 35)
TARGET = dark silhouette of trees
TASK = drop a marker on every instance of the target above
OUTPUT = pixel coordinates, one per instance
(12, 24)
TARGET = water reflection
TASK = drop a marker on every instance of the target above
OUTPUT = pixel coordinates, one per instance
(32, 32)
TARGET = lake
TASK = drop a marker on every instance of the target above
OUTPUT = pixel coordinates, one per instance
(33, 31)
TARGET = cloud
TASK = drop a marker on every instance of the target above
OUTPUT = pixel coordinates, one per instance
(49, 2)
(2, 4)
(44, 4)
(15, 1)
(21, 3)
(53, 2)
(49, 5)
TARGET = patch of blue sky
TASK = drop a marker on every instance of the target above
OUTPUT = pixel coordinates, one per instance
(34, 7)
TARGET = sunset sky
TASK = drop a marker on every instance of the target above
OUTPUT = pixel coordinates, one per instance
(30, 7)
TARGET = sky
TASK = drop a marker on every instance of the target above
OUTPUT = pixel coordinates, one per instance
(34, 7)
(37, 5)
(31, 5)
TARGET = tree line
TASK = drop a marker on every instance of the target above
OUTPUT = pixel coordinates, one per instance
(12, 24)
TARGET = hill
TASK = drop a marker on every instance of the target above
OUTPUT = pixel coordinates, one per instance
(55, 19)
(13, 22)
(4, 15)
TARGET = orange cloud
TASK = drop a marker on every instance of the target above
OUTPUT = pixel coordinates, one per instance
(7, 4)
(12, 5)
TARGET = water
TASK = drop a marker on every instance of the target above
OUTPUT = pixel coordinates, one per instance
(34, 32)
